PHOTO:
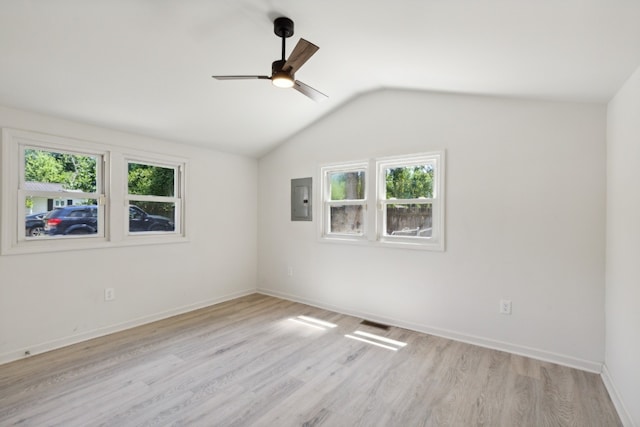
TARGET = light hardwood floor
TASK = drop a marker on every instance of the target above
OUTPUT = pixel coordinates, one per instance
(245, 363)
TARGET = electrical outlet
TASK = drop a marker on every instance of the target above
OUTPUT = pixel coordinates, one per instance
(505, 306)
(290, 271)
(109, 294)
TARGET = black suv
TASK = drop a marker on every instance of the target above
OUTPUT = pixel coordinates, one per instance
(34, 224)
(84, 220)
(139, 220)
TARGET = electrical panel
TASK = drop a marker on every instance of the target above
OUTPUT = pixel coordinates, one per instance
(301, 199)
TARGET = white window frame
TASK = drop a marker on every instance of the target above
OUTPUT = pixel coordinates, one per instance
(436, 240)
(375, 202)
(327, 203)
(112, 196)
(177, 199)
(97, 195)
(13, 240)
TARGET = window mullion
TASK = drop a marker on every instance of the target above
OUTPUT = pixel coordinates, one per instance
(420, 201)
(59, 195)
(144, 198)
(346, 202)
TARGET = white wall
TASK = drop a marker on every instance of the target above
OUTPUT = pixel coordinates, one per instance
(622, 361)
(48, 300)
(524, 221)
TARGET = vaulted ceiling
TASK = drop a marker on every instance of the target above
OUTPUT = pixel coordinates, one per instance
(145, 66)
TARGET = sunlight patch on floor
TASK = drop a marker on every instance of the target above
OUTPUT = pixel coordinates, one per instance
(313, 322)
(377, 340)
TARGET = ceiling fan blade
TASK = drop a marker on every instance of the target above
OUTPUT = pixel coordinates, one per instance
(240, 77)
(301, 54)
(307, 90)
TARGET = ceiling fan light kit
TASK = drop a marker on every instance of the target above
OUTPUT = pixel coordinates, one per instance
(282, 80)
(283, 70)
(279, 77)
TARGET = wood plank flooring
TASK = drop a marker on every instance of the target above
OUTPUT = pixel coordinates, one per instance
(245, 363)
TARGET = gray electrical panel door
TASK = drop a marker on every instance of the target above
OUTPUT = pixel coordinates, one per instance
(301, 199)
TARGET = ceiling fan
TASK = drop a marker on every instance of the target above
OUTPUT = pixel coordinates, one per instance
(283, 70)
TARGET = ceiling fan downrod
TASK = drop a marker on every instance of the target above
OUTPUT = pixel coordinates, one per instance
(283, 28)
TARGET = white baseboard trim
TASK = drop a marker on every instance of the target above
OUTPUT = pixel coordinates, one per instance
(546, 356)
(95, 333)
(624, 415)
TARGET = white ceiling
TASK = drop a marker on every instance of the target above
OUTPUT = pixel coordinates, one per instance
(145, 66)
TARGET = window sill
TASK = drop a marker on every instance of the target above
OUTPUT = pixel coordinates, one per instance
(344, 239)
(433, 246)
(34, 246)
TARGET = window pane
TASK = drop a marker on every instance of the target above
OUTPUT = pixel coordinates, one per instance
(347, 219)
(410, 182)
(52, 171)
(347, 185)
(151, 180)
(152, 216)
(73, 217)
(409, 220)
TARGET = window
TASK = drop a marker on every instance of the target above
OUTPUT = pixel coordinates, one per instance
(58, 182)
(153, 196)
(62, 194)
(344, 201)
(409, 195)
(43, 175)
(406, 202)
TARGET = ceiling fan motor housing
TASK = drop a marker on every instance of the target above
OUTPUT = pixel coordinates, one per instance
(283, 27)
(276, 68)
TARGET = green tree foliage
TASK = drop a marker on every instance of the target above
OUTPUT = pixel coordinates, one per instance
(41, 166)
(73, 171)
(80, 172)
(410, 182)
(151, 180)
